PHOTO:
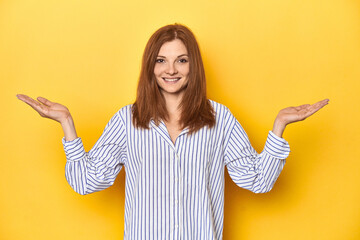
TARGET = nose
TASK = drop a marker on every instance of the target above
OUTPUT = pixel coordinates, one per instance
(171, 69)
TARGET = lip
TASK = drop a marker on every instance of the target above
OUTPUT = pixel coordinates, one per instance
(171, 79)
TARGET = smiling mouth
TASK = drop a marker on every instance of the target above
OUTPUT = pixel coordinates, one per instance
(171, 79)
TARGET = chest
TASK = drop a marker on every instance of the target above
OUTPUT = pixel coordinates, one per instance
(156, 151)
(173, 131)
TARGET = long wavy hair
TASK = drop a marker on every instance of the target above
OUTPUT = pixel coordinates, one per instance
(196, 110)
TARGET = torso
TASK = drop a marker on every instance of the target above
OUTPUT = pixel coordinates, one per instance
(157, 171)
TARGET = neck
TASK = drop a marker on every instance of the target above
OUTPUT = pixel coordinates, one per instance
(172, 105)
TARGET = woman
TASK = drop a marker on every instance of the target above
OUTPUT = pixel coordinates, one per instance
(174, 144)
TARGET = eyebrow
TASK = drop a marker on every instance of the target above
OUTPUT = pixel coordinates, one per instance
(182, 55)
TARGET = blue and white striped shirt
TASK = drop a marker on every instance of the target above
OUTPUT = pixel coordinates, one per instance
(174, 191)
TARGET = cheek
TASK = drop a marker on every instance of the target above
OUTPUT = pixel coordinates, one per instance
(184, 69)
(157, 70)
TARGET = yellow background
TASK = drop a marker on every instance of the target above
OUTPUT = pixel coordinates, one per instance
(260, 56)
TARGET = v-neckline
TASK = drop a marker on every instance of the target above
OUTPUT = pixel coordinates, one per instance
(164, 133)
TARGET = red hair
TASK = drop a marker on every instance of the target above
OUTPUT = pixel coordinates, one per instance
(196, 110)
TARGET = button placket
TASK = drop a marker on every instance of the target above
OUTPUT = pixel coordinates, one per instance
(178, 183)
(177, 191)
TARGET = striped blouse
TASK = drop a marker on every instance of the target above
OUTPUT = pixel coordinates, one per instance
(174, 191)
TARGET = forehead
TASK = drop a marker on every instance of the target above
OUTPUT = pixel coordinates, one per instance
(175, 47)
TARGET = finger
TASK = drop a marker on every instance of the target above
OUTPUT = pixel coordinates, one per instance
(21, 96)
(32, 103)
(45, 101)
(324, 102)
(320, 104)
(26, 99)
(316, 107)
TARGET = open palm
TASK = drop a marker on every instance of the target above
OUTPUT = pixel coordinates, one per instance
(299, 113)
(46, 108)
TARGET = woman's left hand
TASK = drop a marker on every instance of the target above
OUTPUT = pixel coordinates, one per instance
(295, 114)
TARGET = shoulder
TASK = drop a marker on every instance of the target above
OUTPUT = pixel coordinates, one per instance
(122, 115)
(125, 111)
(220, 109)
(225, 120)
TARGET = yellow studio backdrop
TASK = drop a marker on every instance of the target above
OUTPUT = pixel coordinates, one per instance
(260, 56)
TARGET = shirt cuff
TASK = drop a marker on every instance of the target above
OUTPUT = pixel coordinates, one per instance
(74, 150)
(277, 146)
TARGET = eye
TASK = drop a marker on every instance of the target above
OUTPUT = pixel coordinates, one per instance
(159, 60)
(183, 60)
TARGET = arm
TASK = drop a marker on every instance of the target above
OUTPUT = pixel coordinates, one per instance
(258, 172)
(250, 170)
(92, 171)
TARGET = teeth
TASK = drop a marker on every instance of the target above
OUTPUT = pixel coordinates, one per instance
(171, 79)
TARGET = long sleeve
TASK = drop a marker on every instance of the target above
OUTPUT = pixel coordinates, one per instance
(92, 171)
(250, 170)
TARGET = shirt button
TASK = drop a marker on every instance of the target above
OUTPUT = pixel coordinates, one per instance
(176, 201)
(176, 179)
(176, 226)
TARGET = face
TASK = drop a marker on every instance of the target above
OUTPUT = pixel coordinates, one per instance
(172, 68)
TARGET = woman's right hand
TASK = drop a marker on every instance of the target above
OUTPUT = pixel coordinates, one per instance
(54, 111)
(46, 108)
